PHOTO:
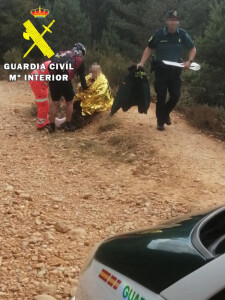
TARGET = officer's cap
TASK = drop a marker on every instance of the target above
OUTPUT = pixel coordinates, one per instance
(172, 14)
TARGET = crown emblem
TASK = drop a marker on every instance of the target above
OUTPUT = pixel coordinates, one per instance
(39, 12)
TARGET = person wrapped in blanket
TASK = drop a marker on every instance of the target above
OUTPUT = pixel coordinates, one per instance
(97, 98)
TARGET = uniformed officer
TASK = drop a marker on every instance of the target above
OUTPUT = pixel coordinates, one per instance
(168, 44)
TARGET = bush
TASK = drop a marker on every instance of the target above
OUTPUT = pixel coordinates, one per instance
(208, 85)
(204, 117)
(13, 55)
(113, 64)
(4, 75)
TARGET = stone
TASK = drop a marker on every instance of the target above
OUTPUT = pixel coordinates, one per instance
(44, 297)
(50, 289)
(78, 231)
(57, 199)
(18, 192)
(26, 196)
(61, 227)
(35, 213)
(9, 188)
(42, 272)
(38, 221)
(86, 196)
(48, 236)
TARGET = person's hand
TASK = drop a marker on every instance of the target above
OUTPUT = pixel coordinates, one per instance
(139, 65)
(187, 64)
(80, 89)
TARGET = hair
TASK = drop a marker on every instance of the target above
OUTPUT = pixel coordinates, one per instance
(96, 65)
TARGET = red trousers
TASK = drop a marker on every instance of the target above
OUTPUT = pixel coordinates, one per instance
(40, 90)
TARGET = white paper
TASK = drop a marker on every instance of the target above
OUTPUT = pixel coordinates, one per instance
(194, 66)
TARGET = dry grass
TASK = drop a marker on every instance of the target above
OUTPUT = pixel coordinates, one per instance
(206, 118)
(123, 148)
(122, 142)
(95, 147)
(118, 148)
(109, 125)
(33, 110)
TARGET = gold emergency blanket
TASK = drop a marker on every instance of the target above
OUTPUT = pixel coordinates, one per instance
(97, 97)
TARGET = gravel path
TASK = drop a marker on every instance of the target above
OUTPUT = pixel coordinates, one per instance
(62, 193)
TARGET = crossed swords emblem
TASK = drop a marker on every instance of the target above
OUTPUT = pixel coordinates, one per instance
(31, 32)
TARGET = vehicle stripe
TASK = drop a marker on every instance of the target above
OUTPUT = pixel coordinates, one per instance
(104, 275)
(112, 280)
(117, 284)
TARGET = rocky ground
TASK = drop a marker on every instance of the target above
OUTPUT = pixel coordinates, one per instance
(62, 193)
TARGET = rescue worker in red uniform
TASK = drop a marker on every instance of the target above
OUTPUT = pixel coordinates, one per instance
(40, 90)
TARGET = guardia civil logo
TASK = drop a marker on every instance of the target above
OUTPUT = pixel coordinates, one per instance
(37, 37)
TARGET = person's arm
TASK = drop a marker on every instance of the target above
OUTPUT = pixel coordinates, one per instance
(81, 73)
(189, 44)
(191, 58)
(144, 58)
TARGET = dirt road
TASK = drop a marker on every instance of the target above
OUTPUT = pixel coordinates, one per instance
(62, 193)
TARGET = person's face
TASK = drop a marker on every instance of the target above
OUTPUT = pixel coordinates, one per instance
(172, 24)
(95, 71)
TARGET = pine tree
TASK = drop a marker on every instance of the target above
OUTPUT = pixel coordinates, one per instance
(194, 16)
(70, 25)
(208, 86)
(125, 28)
(97, 11)
(13, 14)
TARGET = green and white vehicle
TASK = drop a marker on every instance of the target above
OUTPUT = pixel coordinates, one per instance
(181, 260)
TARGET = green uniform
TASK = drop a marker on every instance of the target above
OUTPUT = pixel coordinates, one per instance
(168, 46)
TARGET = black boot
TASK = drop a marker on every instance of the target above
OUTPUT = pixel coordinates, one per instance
(69, 127)
(51, 128)
(168, 121)
(160, 126)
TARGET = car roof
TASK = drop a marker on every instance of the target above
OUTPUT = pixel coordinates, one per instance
(201, 284)
(157, 258)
